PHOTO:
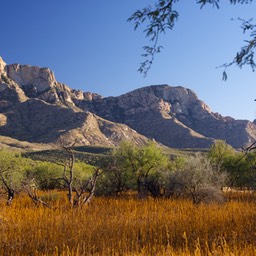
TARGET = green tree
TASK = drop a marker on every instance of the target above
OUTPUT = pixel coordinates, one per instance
(239, 165)
(162, 17)
(143, 163)
(12, 167)
(46, 175)
(116, 181)
(173, 167)
(218, 154)
(241, 169)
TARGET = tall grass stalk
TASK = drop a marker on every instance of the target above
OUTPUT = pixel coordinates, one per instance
(128, 226)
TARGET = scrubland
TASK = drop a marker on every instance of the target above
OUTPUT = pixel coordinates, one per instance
(129, 226)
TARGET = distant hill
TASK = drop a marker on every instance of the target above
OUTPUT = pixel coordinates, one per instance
(34, 107)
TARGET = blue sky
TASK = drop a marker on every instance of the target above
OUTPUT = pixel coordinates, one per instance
(90, 46)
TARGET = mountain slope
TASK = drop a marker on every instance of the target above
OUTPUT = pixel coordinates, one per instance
(173, 116)
(34, 107)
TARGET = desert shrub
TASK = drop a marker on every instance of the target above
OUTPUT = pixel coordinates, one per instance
(197, 180)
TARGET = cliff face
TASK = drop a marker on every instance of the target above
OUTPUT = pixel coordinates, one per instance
(35, 107)
(173, 116)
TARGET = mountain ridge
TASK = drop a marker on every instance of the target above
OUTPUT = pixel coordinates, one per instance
(34, 107)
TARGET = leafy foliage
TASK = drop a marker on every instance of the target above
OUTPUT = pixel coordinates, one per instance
(241, 169)
(240, 166)
(12, 167)
(159, 18)
(162, 17)
(138, 166)
(218, 154)
(145, 169)
(46, 175)
(246, 55)
(215, 3)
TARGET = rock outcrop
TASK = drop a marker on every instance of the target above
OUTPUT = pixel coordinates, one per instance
(34, 107)
(173, 116)
(2, 66)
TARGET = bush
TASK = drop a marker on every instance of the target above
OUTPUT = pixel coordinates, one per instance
(115, 181)
(197, 180)
(46, 175)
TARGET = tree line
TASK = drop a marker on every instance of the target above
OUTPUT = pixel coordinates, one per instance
(146, 170)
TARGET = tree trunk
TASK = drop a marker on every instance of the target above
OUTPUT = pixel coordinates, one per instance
(70, 195)
(141, 189)
(10, 196)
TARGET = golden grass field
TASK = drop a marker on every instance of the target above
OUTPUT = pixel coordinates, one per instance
(129, 226)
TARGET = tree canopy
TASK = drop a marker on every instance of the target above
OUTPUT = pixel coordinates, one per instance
(141, 163)
(12, 167)
(161, 17)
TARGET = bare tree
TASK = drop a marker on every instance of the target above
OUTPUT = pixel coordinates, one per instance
(68, 173)
(81, 189)
(86, 189)
(30, 186)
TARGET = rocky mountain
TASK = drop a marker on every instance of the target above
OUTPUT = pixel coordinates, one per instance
(34, 107)
(173, 116)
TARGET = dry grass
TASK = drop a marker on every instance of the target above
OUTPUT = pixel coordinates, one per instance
(128, 226)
